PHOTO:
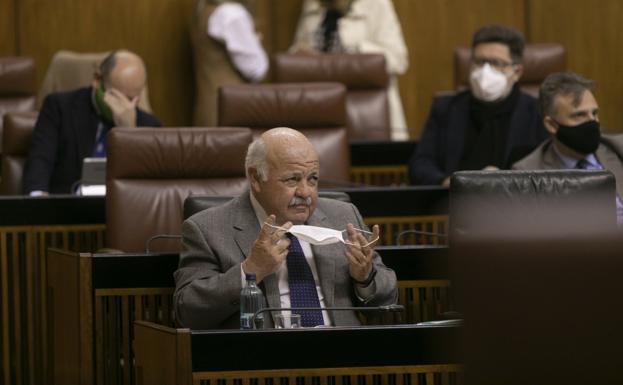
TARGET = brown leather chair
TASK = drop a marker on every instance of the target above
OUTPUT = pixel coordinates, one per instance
(17, 86)
(17, 136)
(366, 80)
(69, 70)
(539, 60)
(151, 171)
(316, 109)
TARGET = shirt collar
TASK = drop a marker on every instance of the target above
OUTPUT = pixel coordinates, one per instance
(570, 162)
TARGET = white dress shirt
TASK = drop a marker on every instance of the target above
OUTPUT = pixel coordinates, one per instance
(282, 273)
(232, 25)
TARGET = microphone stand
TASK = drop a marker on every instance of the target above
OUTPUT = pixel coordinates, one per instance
(380, 309)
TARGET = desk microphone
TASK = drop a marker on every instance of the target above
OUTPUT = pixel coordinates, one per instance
(160, 236)
(380, 309)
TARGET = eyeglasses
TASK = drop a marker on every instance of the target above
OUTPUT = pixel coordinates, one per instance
(495, 63)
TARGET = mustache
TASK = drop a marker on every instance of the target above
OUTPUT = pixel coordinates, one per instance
(296, 201)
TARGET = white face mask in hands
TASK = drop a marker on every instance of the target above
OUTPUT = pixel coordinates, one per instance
(489, 84)
(321, 235)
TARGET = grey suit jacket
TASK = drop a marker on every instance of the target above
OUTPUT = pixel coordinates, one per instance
(608, 154)
(217, 240)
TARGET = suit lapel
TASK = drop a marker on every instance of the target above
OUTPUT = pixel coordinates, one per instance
(611, 162)
(85, 122)
(456, 133)
(246, 229)
(325, 257)
(517, 130)
(551, 161)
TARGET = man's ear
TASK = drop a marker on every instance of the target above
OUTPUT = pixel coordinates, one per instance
(254, 179)
(550, 125)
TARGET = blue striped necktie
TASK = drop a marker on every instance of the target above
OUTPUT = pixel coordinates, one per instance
(302, 285)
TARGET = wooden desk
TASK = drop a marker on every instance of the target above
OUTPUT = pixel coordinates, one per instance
(93, 301)
(423, 209)
(403, 354)
(381, 163)
(28, 226)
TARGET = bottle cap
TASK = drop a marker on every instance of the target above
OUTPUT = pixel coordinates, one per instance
(250, 276)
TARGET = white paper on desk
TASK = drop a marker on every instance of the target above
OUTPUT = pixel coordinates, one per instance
(93, 190)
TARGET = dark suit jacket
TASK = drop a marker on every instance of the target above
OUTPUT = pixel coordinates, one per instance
(63, 136)
(441, 145)
(217, 240)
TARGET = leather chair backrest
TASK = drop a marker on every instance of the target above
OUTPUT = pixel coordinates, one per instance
(17, 86)
(17, 136)
(151, 171)
(539, 60)
(70, 70)
(546, 204)
(195, 203)
(366, 80)
(315, 109)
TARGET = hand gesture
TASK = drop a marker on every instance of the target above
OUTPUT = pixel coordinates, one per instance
(123, 109)
(360, 252)
(269, 250)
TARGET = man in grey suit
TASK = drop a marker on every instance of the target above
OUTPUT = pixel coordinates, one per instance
(249, 235)
(570, 113)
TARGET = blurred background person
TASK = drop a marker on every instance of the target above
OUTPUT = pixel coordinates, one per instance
(571, 117)
(227, 50)
(73, 125)
(358, 26)
(486, 127)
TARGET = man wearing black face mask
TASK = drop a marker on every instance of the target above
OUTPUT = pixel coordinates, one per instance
(571, 117)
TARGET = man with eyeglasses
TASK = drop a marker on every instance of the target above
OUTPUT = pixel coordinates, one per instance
(486, 127)
(571, 117)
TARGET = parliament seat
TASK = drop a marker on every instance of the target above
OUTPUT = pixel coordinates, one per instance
(539, 60)
(530, 205)
(16, 138)
(151, 171)
(365, 78)
(70, 70)
(17, 86)
(315, 109)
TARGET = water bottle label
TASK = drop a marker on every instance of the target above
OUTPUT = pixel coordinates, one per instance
(246, 321)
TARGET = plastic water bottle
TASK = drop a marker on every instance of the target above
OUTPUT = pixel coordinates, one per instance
(251, 300)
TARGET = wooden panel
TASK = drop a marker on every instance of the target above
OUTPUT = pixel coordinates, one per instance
(411, 230)
(417, 374)
(432, 29)
(591, 33)
(277, 22)
(23, 293)
(7, 28)
(155, 29)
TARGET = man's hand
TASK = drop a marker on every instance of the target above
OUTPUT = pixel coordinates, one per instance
(123, 109)
(360, 252)
(269, 250)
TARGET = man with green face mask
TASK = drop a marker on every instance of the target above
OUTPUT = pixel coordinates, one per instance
(570, 115)
(73, 125)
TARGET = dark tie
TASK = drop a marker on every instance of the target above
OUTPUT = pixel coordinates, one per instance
(582, 164)
(302, 285)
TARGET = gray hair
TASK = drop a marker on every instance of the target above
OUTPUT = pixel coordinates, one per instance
(562, 83)
(256, 158)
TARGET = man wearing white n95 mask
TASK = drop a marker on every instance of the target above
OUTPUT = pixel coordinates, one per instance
(250, 235)
(487, 127)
